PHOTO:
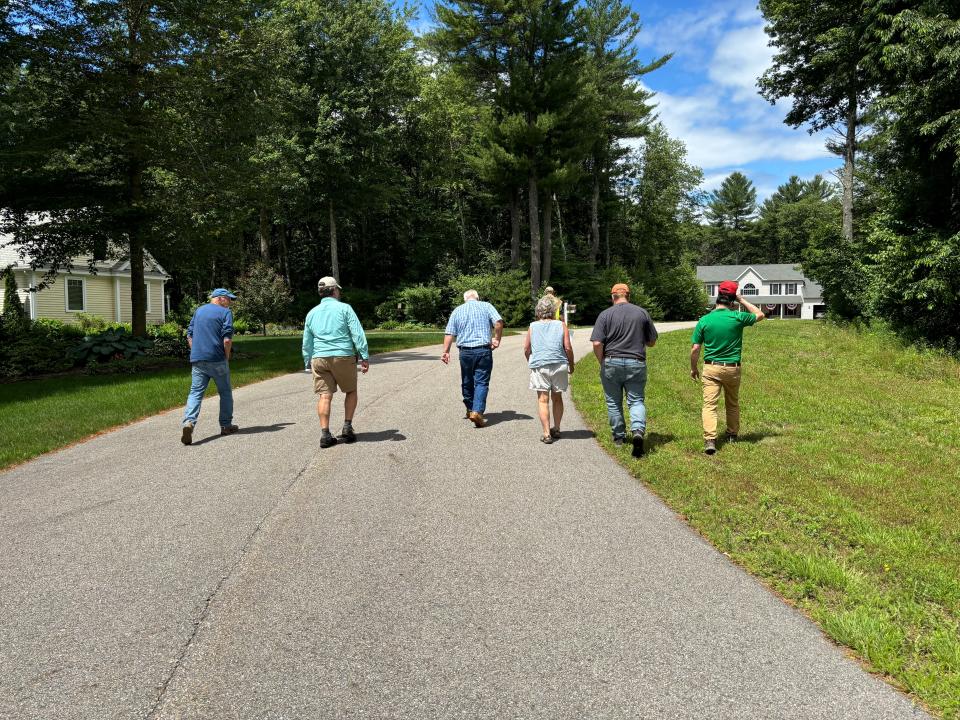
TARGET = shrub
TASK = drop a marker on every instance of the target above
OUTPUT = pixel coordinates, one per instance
(90, 324)
(508, 291)
(241, 326)
(680, 294)
(34, 353)
(110, 344)
(14, 317)
(589, 289)
(169, 340)
(264, 295)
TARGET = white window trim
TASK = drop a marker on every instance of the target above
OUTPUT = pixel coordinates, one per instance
(146, 285)
(778, 286)
(66, 294)
(755, 290)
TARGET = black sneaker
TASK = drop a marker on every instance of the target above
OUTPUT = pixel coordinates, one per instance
(347, 434)
(732, 437)
(186, 435)
(618, 441)
(327, 441)
(637, 444)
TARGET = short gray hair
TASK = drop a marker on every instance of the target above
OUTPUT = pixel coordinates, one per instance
(471, 295)
(326, 291)
(546, 309)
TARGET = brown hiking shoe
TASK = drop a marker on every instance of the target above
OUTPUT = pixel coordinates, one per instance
(710, 447)
(477, 419)
(229, 429)
(186, 435)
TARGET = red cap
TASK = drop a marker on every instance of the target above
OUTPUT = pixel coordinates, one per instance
(728, 287)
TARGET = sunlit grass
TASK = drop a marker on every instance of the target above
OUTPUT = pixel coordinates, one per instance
(844, 494)
(37, 416)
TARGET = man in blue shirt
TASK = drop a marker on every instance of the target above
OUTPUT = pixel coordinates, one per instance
(210, 336)
(471, 325)
(333, 340)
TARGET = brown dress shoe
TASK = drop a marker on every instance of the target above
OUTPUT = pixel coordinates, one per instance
(477, 419)
(229, 429)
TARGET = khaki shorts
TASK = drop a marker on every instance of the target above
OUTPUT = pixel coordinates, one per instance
(331, 372)
(554, 378)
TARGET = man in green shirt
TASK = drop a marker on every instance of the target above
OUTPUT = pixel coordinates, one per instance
(333, 341)
(720, 334)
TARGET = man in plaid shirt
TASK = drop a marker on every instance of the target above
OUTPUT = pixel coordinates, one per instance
(473, 324)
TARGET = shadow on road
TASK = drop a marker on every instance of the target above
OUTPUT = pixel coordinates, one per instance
(393, 357)
(577, 434)
(252, 430)
(505, 416)
(382, 436)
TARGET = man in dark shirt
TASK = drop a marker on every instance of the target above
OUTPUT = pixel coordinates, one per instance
(210, 335)
(620, 338)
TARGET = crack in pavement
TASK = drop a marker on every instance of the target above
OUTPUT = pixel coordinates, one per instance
(208, 601)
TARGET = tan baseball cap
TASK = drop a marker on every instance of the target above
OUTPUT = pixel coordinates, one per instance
(327, 282)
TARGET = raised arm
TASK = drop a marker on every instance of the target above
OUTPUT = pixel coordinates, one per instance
(750, 308)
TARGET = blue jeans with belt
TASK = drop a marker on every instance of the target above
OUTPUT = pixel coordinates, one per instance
(619, 376)
(203, 373)
(476, 365)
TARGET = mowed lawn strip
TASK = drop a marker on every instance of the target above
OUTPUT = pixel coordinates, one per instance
(37, 416)
(843, 493)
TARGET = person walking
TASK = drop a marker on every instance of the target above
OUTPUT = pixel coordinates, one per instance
(550, 359)
(333, 341)
(477, 328)
(620, 339)
(210, 336)
(720, 334)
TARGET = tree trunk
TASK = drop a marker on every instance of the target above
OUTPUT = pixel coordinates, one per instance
(284, 230)
(533, 192)
(606, 254)
(334, 260)
(264, 235)
(595, 219)
(547, 238)
(849, 153)
(135, 165)
(515, 229)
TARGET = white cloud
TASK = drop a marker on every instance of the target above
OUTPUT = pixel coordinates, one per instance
(723, 120)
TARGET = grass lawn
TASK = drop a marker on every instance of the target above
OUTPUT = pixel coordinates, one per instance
(843, 494)
(37, 416)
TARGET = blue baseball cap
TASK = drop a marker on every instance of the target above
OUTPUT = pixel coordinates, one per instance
(223, 292)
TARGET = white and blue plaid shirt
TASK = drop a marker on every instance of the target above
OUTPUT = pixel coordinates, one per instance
(472, 323)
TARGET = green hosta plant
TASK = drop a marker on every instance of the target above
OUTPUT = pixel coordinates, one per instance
(110, 345)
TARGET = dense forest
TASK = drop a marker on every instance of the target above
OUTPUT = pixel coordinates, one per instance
(510, 145)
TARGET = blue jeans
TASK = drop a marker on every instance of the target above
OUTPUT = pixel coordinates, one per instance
(476, 364)
(619, 375)
(203, 373)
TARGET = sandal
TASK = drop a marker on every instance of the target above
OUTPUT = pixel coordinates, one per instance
(555, 433)
(547, 440)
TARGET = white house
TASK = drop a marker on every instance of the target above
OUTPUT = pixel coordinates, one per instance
(781, 291)
(105, 294)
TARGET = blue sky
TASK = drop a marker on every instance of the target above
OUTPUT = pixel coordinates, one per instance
(706, 95)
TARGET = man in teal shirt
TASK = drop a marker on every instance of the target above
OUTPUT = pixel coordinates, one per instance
(720, 334)
(333, 340)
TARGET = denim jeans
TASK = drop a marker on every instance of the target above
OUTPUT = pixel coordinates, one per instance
(619, 375)
(203, 373)
(476, 364)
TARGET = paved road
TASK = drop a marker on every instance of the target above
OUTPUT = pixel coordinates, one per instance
(432, 570)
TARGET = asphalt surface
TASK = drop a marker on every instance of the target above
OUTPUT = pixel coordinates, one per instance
(431, 570)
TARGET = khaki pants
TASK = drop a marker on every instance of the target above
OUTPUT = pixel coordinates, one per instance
(715, 379)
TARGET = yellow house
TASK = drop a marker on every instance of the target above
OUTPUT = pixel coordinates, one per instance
(105, 294)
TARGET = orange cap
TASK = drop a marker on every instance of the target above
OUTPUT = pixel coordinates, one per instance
(620, 289)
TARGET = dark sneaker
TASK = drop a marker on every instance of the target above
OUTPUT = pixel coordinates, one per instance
(710, 447)
(186, 434)
(637, 444)
(327, 441)
(732, 437)
(466, 415)
(477, 419)
(229, 429)
(618, 441)
(555, 433)
(347, 434)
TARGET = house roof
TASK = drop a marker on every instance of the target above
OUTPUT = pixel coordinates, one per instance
(780, 272)
(10, 255)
